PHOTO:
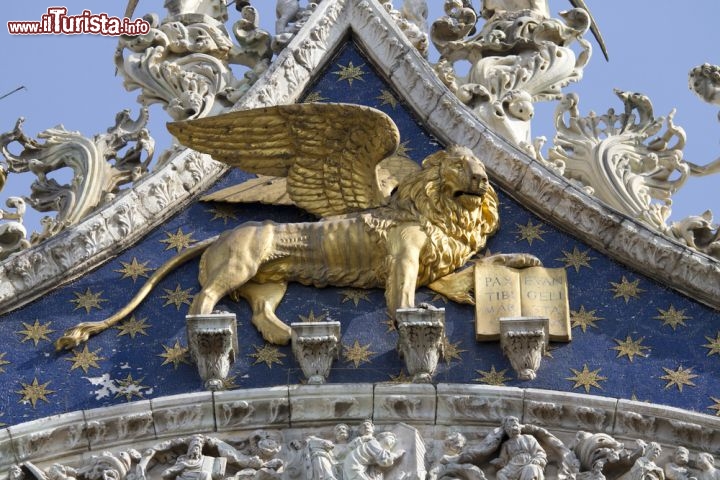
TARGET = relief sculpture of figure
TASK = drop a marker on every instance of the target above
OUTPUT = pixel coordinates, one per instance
(368, 453)
(706, 467)
(521, 456)
(436, 219)
(678, 469)
(192, 465)
(319, 460)
(645, 467)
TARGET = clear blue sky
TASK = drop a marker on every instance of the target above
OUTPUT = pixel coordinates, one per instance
(653, 45)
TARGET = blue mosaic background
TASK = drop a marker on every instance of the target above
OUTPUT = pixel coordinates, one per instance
(632, 337)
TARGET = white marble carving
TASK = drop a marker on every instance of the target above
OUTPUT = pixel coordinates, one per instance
(125, 446)
(315, 346)
(524, 341)
(630, 163)
(412, 20)
(420, 340)
(520, 56)
(99, 170)
(180, 63)
(213, 344)
(13, 234)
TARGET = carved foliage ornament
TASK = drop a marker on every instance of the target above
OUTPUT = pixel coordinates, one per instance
(628, 161)
(519, 56)
(98, 166)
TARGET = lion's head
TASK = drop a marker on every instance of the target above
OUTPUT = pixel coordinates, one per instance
(451, 194)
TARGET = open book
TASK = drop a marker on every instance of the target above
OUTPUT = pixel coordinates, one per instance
(531, 292)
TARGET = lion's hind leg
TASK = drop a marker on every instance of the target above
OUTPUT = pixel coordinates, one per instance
(264, 299)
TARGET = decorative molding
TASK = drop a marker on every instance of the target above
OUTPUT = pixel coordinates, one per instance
(560, 421)
(315, 346)
(420, 339)
(524, 341)
(213, 343)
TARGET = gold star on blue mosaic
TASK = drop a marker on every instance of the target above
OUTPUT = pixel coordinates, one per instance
(176, 355)
(354, 295)
(389, 325)
(672, 317)
(583, 318)
(714, 345)
(223, 212)
(715, 406)
(178, 240)
(626, 289)
(35, 332)
(681, 376)
(32, 392)
(129, 388)
(576, 259)
(530, 232)
(3, 362)
(451, 351)
(313, 97)
(357, 354)
(134, 269)
(387, 98)
(267, 354)
(311, 317)
(586, 378)
(177, 297)
(493, 377)
(630, 348)
(403, 150)
(401, 377)
(350, 73)
(228, 383)
(132, 327)
(85, 359)
(88, 300)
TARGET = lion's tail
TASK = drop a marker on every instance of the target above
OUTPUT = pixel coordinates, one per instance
(83, 331)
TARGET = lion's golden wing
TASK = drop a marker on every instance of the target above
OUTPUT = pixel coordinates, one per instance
(328, 152)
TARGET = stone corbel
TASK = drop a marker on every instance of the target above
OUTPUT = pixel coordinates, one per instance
(421, 332)
(524, 340)
(213, 343)
(315, 346)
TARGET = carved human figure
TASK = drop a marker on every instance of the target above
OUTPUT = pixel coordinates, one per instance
(448, 465)
(645, 467)
(190, 466)
(366, 453)
(678, 468)
(366, 432)
(706, 466)
(319, 459)
(521, 456)
(342, 435)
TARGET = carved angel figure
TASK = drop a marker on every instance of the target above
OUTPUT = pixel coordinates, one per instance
(438, 217)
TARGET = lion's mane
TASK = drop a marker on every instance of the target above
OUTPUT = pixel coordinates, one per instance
(456, 233)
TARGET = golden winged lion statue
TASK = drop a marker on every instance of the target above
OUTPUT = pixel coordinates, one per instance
(435, 219)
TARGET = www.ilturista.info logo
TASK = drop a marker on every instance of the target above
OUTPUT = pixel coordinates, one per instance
(57, 21)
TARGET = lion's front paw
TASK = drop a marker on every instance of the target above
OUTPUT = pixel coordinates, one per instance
(514, 260)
